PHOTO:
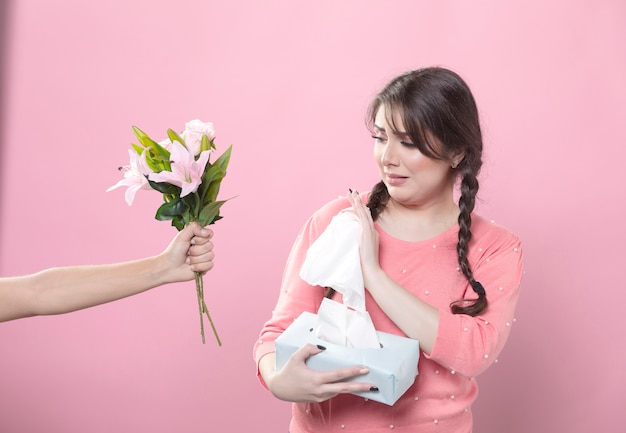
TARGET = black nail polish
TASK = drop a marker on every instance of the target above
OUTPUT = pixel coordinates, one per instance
(350, 189)
(320, 347)
(373, 388)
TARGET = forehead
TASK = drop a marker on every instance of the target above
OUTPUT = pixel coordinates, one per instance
(389, 119)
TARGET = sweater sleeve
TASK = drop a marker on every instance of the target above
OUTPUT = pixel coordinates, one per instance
(295, 294)
(468, 345)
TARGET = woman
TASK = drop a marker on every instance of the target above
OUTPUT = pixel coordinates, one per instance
(433, 270)
(66, 289)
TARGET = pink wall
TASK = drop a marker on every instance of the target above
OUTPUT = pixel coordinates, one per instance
(287, 83)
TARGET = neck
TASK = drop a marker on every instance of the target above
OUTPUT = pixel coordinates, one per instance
(416, 223)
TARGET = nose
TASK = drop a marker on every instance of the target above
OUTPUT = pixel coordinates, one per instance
(389, 155)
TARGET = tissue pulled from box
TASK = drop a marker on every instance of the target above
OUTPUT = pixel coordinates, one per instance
(333, 260)
(338, 324)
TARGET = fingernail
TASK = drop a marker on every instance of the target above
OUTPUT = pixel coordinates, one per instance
(373, 388)
(320, 347)
(364, 371)
(350, 189)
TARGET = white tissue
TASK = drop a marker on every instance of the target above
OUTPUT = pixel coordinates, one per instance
(338, 324)
(333, 260)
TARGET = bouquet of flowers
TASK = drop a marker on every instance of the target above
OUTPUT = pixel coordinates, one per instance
(179, 168)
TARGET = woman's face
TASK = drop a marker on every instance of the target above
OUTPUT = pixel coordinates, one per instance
(412, 178)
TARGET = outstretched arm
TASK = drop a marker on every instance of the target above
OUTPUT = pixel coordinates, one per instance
(66, 289)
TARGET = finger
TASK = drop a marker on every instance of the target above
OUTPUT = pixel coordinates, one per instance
(362, 210)
(306, 351)
(353, 198)
(349, 195)
(200, 245)
(202, 238)
(359, 207)
(354, 202)
(331, 376)
(200, 231)
(186, 234)
(199, 261)
(202, 267)
(348, 387)
(200, 256)
(343, 373)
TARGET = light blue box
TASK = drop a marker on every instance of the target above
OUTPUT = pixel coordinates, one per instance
(393, 367)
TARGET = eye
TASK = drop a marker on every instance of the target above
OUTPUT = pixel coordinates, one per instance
(408, 144)
(379, 138)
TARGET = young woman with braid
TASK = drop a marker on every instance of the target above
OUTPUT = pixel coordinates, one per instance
(433, 269)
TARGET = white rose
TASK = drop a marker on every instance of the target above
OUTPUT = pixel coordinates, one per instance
(194, 130)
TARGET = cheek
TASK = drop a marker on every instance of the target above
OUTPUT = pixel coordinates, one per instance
(418, 162)
(377, 153)
(429, 170)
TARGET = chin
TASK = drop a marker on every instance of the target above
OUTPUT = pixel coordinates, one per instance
(399, 196)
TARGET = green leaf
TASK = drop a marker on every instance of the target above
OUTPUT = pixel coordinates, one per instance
(170, 210)
(173, 136)
(213, 190)
(224, 159)
(212, 178)
(204, 143)
(143, 137)
(213, 174)
(157, 157)
(160, 151)
(165, 188)
(138, 148)
(191, 201)
(178, 222)
(187, 216)
(210, 213)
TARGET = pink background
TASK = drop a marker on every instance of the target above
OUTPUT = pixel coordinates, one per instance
(287, 84)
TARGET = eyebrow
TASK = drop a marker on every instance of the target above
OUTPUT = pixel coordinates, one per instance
(397, 133)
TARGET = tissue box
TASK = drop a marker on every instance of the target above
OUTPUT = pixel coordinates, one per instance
(393, 367)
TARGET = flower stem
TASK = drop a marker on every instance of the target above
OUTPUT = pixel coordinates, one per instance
(200, 293)
(203, 308)
(217, 337)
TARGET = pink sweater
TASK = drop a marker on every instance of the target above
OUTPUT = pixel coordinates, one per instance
(440, 399)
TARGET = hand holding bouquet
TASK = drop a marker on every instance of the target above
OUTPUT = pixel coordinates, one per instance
(179, 168)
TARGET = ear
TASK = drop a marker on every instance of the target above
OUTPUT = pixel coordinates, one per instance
(456, 159)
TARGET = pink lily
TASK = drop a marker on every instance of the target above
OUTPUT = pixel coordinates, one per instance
(134, 176)
(186, 171)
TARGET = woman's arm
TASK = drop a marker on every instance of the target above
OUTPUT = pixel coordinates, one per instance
(465, 344)
(66, 289)
(296, 382)
(416, 318)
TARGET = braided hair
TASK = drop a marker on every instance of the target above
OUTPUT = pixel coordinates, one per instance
(436, 100)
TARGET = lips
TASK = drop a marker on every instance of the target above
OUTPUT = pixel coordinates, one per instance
(395, 179)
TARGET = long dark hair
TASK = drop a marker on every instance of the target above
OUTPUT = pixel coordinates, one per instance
(438, 101)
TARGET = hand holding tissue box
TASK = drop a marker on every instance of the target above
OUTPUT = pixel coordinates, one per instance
(392, 367)
(333, 261)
